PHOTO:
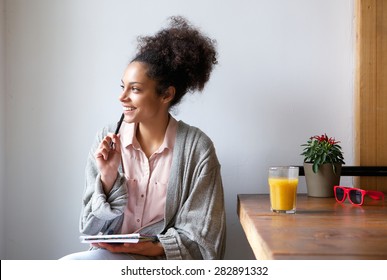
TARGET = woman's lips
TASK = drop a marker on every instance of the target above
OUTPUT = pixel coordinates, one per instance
(129, 108)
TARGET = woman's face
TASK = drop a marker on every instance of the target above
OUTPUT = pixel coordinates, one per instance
(139, 98)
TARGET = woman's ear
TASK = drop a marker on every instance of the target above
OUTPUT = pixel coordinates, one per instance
(169, 94)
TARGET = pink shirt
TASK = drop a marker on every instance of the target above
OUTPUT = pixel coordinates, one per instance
(147, 179)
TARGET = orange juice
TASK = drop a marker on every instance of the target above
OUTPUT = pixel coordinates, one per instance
(283, 193)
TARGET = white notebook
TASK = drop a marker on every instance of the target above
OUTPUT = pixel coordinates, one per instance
(117, 238)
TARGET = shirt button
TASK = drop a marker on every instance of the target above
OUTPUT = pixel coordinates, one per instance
(142, 195)
(138, 220)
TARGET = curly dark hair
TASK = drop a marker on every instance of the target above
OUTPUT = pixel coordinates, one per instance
(180, 56)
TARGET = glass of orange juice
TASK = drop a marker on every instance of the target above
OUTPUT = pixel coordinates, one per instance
(283, 182)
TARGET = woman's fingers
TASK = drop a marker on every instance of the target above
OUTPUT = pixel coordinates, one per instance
(105, 147)
(115, 139)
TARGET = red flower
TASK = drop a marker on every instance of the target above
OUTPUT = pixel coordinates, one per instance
(324, 138)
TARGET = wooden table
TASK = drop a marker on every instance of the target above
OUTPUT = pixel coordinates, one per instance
(321, 229)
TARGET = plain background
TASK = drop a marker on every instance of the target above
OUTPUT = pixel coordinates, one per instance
(285, 73)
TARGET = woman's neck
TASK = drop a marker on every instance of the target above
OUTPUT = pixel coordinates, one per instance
(151, 135)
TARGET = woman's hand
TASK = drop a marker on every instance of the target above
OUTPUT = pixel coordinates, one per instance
(108, 159)
(150, 249)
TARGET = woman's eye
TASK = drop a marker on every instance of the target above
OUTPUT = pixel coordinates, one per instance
(135, 89)
(122, 87)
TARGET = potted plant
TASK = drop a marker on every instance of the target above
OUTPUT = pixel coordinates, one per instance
(323, 158)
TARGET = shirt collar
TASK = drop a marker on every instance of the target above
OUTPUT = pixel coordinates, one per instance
(128, 136)
(170, 134)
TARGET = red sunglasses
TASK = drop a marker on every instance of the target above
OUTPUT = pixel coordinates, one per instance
(355, 195)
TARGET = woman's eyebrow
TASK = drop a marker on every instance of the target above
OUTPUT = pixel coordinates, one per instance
(131, 83)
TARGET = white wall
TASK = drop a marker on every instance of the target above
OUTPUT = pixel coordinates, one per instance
(2, 128)
(285, 74)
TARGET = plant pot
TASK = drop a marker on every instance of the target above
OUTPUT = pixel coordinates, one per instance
(321, 184)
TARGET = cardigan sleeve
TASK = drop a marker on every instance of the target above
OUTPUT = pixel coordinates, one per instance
(198, 227)
(101, 212)
(199, 231)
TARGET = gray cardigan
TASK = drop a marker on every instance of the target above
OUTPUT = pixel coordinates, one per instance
(194, 226)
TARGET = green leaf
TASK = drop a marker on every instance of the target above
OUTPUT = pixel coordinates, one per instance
(315, 167)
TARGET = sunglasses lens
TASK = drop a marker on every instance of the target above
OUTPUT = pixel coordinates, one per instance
(355, 196)
(339, 194)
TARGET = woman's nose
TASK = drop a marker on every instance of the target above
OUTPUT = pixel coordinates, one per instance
(124, 96)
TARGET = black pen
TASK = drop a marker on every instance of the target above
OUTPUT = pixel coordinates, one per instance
(117, 129)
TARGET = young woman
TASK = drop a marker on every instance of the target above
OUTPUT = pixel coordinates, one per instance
(161, 176)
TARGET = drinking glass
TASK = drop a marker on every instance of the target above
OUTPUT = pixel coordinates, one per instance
(283, 182)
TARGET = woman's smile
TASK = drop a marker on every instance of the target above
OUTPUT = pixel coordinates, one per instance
(129, 108)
